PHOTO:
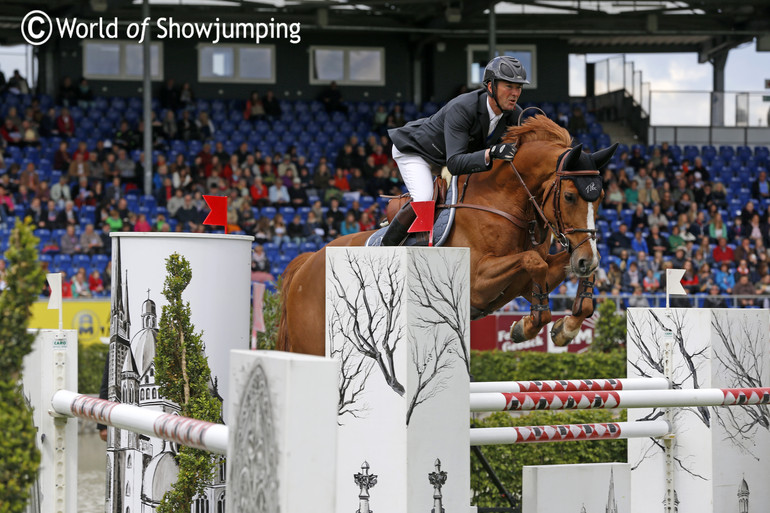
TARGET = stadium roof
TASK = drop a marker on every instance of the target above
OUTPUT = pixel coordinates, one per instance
(705, 26)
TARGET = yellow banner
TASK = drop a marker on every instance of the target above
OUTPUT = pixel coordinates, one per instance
(90, 318)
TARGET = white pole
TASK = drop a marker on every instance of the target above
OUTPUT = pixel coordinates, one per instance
(619, 399)
(570, 384)
(569, 432)
(182, 430)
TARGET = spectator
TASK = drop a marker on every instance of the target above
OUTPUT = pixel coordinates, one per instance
(204, 126)
(11, 133)
(7, 207)
(562, 302)
(756, 230)
(366, 223)
(656, 242)
(260, 265)
(714, 300)
(297, 194)
(650, 282)
(279, 194)
(637, 161)
(95, 283)
(744, 288)
(295, 229)
(332, 99)
(187, 215)
(724, 278)
(637, 299)
(169, 96)
(18, 84)
(66, 285)
(717, 228)
(65, 124)
(271, 105)
(84, 95)
(614, 198)
(279, 229)
(719, 195)
(186, 96)
(80, 288)
(114, 221)
(632, 277)
(638, 243)
(349, 225)
(187, 128)
(577, 122)
(90, 241)
(142, 225)
(67, 92)
(126, 167)
(69, 242)
(760, 189)
(246, 219)
(619, 240)
(254, 110)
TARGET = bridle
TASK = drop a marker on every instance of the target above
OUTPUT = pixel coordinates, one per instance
(559, 231)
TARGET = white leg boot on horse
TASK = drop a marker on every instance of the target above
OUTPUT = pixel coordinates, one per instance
(566, 328)
(398, 229)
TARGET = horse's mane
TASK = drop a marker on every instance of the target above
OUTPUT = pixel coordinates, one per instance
(538, 128)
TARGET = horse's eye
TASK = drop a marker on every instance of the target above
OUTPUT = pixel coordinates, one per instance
(569, 197)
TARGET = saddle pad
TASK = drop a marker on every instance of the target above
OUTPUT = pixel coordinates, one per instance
(442, 225)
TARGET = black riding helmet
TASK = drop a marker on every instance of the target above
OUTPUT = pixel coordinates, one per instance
(504, 67)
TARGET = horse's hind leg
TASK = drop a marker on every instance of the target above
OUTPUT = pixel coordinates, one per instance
(566, 328)
(540, 312)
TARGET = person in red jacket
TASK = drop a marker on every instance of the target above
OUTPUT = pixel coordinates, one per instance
(723, 253)
(65, 123)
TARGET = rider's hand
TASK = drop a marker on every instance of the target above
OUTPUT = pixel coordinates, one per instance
(504, 151)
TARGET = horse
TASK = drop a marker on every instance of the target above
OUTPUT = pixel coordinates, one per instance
(509, 217)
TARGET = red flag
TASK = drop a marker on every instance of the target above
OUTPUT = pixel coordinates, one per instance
(424, 221)
(218, 214)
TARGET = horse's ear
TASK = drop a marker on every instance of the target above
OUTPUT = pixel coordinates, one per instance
(602, 157)
(572, 158)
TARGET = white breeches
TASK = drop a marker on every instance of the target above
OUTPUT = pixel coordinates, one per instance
(416, 174)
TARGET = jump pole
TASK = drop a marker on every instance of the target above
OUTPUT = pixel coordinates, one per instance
(182, 430)
(569, 432)
(565, 385)
(619, 399)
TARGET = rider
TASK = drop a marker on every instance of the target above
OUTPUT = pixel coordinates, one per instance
(464, 136)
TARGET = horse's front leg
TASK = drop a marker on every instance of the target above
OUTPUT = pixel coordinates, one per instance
(566, 328)
(540, 312)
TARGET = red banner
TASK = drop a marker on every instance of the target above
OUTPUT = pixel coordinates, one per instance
(493, 332)
(424, 221)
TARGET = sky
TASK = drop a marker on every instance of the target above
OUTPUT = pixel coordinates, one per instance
(679, 84)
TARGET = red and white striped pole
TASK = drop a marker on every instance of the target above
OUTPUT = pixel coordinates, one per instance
(182, 430)
(565, 385)
(581, 400)
(569, 432)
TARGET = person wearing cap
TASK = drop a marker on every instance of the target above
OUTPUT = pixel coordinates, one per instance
(464, 135)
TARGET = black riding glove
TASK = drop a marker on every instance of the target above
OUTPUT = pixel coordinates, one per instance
(504, 151)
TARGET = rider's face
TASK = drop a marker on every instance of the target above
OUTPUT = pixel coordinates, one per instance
(508, 94)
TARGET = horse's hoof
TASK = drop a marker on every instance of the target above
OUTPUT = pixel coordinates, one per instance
(559, 335)
(517, 332)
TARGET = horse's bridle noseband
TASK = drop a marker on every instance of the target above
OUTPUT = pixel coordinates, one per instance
(559, 231)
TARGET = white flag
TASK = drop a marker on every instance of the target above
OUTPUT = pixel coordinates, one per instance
(674, 282)
(54, 281)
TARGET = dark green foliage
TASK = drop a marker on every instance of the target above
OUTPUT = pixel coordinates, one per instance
(531, 365)
(610, 328)
(91, 358)
(19, 455)
(508, 460)
(272, 314)
(182, 371)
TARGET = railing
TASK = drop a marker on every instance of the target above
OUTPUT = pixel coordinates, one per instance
(561, 303)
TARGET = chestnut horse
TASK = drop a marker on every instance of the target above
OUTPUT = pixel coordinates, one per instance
(509, 217)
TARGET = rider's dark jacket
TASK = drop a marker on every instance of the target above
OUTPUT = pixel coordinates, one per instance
(456, 135)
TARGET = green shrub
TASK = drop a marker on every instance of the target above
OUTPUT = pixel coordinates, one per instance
(533, 365)
(271, 312)
(610, 328)
(91, 358)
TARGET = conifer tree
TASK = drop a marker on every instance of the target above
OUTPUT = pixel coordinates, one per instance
(20, 458)
(182, 371)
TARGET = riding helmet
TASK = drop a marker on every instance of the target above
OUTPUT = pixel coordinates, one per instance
(504, 67)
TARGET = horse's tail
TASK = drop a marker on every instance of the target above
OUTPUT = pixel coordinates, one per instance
(283, 343)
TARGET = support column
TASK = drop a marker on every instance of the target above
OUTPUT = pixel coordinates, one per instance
(492, 42)
(718, 97)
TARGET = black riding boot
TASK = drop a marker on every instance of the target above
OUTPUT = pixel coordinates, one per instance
(396, 233)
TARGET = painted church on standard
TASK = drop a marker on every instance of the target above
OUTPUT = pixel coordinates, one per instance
(140, 469)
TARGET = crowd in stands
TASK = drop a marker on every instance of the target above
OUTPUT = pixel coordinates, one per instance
(299, 174)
